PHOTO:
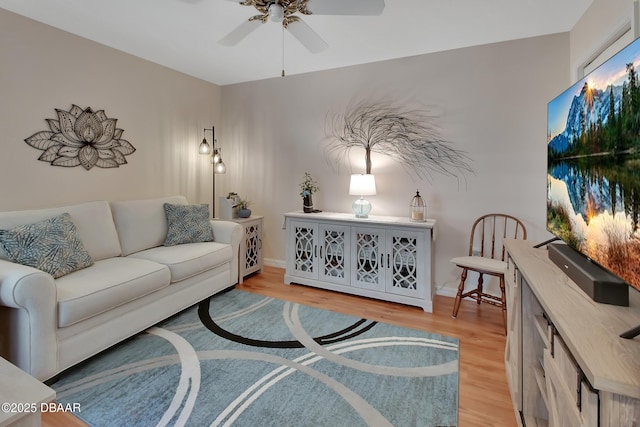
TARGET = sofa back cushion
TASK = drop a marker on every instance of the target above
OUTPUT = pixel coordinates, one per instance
(93, 221)
(142, 224)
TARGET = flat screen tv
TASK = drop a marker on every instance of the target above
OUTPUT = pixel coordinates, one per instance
(593, 166)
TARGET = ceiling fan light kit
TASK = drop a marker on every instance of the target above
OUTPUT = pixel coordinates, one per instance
(276, 12)
(284, 11)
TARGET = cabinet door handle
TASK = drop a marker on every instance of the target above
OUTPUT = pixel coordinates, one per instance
(315, 251)
(321, 251)
(388, 261)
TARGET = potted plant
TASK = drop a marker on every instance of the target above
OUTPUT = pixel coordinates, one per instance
(308, 186)
(243, 208)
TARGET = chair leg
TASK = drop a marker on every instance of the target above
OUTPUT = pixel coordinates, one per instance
(480, 291)
(456, 304)
(503, 298)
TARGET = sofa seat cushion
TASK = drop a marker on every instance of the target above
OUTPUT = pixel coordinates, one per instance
(105, 285)
(189, 259)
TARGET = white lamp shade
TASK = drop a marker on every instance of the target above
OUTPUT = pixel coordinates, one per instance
(362, 185)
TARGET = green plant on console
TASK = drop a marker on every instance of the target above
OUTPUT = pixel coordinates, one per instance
(308, 186)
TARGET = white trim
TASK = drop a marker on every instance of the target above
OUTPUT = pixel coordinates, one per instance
(632, 24)
(275, 263)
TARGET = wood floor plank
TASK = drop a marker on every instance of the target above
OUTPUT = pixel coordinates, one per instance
(484, 398)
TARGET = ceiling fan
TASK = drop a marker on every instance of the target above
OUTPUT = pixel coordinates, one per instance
(285, 12)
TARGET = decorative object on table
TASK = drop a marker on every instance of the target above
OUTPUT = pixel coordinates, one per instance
(308, 186)
(418, 208)
(216, 160)
(228, 208)
(243, 209)
(407, 136)
(362, 185)
(82, 138)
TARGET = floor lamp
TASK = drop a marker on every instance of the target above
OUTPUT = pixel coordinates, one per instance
(216, 161)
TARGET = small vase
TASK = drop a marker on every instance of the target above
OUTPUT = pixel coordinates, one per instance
(244, 213)
(307, 204)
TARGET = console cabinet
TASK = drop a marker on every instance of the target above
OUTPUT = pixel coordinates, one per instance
(565, 362)
(387, 258)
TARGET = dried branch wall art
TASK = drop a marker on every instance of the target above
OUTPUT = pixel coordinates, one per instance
(408, 136)
(82, 137)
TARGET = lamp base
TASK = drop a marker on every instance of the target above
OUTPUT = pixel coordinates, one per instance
(361, 208)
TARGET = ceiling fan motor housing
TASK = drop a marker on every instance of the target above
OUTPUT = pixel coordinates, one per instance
(285, 13)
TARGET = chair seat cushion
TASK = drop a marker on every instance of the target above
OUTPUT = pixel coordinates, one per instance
(105, 285)
(481, 264)
(189, 259)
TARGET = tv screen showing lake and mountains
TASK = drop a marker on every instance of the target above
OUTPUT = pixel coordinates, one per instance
(593, 165)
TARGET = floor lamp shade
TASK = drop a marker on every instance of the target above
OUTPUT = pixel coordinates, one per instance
(362, 185)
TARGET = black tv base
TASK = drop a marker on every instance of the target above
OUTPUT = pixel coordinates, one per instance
(546, 242)
(631, 333)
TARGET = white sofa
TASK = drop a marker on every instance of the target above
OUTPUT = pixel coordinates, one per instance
(48, 325)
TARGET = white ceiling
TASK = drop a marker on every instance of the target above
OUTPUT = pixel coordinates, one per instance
(183, 34)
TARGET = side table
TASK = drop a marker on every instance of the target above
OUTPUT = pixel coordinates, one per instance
(22, 396)
(250, 259)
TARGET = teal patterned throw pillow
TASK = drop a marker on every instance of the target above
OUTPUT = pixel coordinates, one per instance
(187, 224)
(52, 245)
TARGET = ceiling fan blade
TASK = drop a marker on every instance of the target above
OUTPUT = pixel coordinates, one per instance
(305, 35)
(241, 31)
(346, 7)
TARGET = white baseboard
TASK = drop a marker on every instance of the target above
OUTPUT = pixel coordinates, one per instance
(448, 289)
(270, 262)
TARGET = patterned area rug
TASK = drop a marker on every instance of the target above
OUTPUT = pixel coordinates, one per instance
(243, 359)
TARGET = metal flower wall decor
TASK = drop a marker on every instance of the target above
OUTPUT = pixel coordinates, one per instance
(408, 136)
(82, 137)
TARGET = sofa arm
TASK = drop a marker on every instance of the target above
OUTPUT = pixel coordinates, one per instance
(28, 319)
(231, 233)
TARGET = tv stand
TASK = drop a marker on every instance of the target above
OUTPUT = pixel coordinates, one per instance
(566, 364)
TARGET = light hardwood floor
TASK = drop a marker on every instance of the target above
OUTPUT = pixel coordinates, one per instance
(484, 398)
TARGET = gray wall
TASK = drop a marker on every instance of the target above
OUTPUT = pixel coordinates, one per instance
(490, 101)
(161, 111)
